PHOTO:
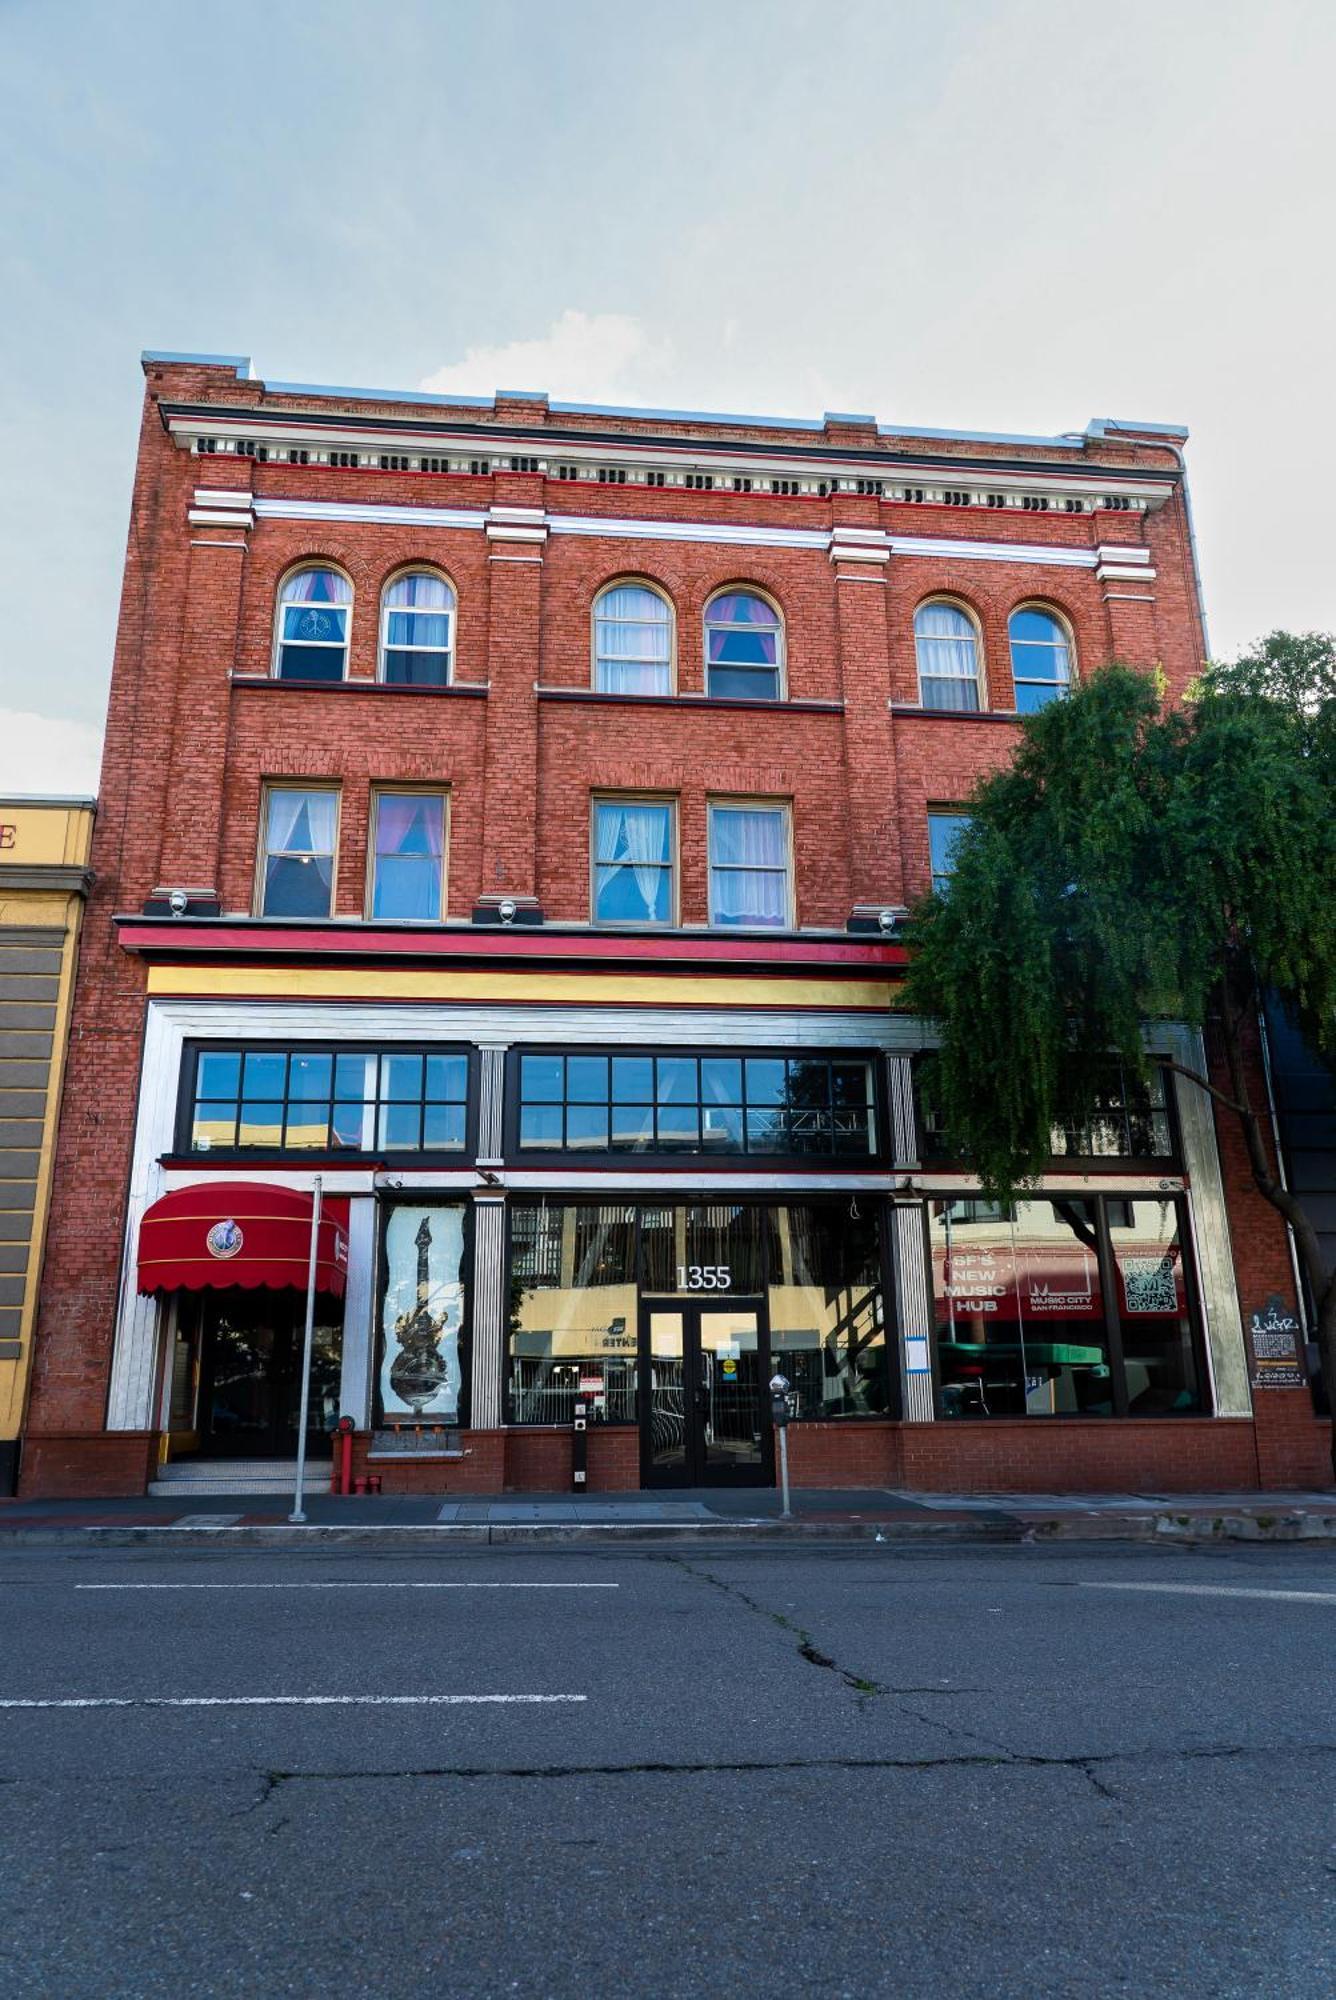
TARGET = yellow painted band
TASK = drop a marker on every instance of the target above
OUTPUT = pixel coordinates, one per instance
(333, 982)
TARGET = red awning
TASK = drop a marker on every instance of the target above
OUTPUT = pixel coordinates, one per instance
(217, 1234)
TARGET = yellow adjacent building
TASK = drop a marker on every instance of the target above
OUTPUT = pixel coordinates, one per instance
(44, 879)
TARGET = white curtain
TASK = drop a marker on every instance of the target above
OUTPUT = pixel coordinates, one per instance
(636, 835)
(947, 657)
(301, 822)
(749, 852)
(632, 637)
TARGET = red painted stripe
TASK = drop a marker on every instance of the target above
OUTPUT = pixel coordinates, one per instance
(497, 943)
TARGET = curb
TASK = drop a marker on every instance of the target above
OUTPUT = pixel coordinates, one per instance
(1160, 1528)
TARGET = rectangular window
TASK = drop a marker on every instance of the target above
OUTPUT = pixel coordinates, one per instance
(408, 856)
(333, 1100)
(579, 1271)
(621, 1102)
(633, 843)
(1063, 1306)
(1131, 1120)
(944, 830)
(299, 837)
(750, 866)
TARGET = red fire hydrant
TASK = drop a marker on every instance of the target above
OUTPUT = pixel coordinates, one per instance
(341, 1472)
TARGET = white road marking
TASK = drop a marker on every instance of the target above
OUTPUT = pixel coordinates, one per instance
(1221, 1590)
(295, 1700)
(389, 1584)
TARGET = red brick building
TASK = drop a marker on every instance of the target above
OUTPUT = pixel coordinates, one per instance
(507, 813)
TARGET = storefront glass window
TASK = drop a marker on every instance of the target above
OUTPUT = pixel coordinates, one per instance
(328, 1101)
(1130, 1121)
(573, 1301)
(579, 1272)
(827, 1321)
(1159, 1358)
(1062, 1307)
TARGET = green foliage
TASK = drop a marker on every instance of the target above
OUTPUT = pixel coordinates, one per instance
(1130, 860)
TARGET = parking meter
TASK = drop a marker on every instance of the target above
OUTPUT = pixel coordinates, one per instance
(779, 1411)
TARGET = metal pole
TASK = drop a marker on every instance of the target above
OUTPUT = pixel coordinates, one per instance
(786, 1512)
(297, 1516)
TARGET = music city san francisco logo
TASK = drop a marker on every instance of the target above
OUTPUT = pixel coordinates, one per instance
(225, 1238)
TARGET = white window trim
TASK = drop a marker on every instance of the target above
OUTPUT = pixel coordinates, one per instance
(267, 790)
(384, 648)
(729, 625)
(280, 606)
(670, 922)
(1069, 642)
(980, 677)
(784, 806)
(378, 792)
(595, 659)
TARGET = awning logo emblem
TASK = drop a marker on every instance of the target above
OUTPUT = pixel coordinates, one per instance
(224, 1239)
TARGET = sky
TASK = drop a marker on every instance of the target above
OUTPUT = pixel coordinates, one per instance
(1009, 214)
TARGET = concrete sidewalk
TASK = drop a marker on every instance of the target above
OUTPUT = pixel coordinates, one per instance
(709, 1515)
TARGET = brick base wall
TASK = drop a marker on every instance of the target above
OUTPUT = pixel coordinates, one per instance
(1287, 1447)
(1071, 1456)
(79, 1465)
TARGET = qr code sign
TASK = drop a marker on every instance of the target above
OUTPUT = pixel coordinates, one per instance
(1148, 1283)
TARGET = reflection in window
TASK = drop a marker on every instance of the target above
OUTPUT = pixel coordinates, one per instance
(1020, 1310)
(633, 637)
(1130, 1120)
(1063, 1307)
(633, 861)
(1159, 1356)
(297, 878)
(744, 641)
(312, 638)
(948, 658)
(329, 1101)
(1040, 659)
(641, 1103)
(417, 630)
(827, 1323)
(749, 866)
(573, 1311)
(944, 830)
(579, 1272)
(408, 856)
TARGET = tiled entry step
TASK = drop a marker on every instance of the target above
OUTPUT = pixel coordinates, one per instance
(526, 1512)
(184, 1478)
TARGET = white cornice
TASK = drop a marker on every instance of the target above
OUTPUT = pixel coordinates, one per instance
(859, 545)
(727, 465)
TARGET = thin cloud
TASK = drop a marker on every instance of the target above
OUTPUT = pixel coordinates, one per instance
(48, 753)
(582, 358)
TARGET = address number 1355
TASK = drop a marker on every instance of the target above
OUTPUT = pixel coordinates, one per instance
(704, 1278)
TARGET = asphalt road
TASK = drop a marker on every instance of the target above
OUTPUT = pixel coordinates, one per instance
(976, 1772)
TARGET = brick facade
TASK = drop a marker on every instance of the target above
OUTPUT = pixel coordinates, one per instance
(196, 725)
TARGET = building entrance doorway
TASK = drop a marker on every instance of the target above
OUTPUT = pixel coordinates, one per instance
(704, 1395)
(249, 1375)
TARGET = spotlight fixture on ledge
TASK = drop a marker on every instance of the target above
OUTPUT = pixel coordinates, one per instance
(506, 910)
(178, 902)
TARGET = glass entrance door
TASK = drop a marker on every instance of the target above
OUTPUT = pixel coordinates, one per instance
(704, 1403)
(250, 1376)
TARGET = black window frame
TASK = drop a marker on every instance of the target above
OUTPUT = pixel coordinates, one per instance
(240, 1046)
(1099, 1200)
(654, 1158)
(1096, 1164)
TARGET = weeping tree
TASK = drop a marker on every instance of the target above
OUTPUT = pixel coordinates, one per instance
(1138, 861)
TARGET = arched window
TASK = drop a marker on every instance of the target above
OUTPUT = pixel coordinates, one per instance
(417, 630)
(947, 646)
(311, 634)
(744, 647)
(1041, 658)
(633, 641)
